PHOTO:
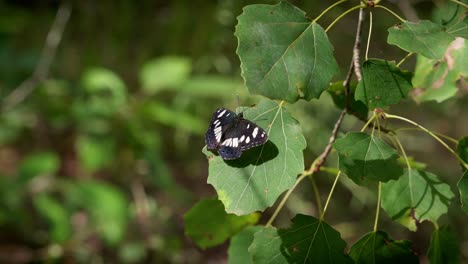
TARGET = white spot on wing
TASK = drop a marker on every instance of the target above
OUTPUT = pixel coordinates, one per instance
(263, 134)
(222, 113)
(254, 133)
(247, 140)
(248, 125)
(234, 142)
(242, 139)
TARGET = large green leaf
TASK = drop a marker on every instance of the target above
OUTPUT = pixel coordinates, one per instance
(283, 54)
(438, 79)
(462, 184)
(426, 38)
(382, 84)
(444, 248)
(255, 180)
(379, 247)
(208, 224)
(415, 197)
(308, 240)
(453, 17)
(238, 252)
(367, 158)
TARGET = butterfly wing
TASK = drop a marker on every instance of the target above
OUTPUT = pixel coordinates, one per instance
(244, 135)
(220, 122)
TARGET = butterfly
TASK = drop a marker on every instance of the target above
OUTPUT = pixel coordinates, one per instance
(230, 134)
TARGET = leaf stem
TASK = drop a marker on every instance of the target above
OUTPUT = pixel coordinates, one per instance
(342, 15)
(391, 12)
(370, 33)
(368, 122)
(285, 198)
(451, 139)
(316, 194)
(404, 59)
(460, 3)
(377, 213)
(432, 134)
(328, 9)
(397, 140)
(329, 195)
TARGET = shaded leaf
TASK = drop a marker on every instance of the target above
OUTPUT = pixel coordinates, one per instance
(208, 224)
(415, 197)
(444, 248)
(379, 247)
(283, 54)
(37, 164)
(366, 158)
(238, 248)
(382, 84)
(462, 149)
(95, 153)
(425, 37)
(438, 79)
(338, 94)
(255, 180)
(56, 215)
(164, 73)
(308, 240)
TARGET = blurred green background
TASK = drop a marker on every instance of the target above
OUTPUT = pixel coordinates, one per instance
(100, 162)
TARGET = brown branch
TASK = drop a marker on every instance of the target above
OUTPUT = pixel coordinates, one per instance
(47, 56)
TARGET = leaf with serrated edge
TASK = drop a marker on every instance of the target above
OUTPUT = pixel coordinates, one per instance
(366, 158)
(426, 38)
(444, 248)
(255, 180)
(415, 197)
(308, 240)
(208, 224)
(238, 247)
(382, 84)
(379, 247)
(283, 54)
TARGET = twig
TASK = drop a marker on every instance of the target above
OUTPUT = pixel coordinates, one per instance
(47, 56)
(357, 46)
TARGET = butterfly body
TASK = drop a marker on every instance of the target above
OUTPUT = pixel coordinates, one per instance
(231, 134)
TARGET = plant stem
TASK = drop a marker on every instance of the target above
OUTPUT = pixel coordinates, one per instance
(432, 134)
(329, 195)
(397, 140)
(316, 194)
(342, 15)
(404, 59)
(285, 198)
(451, 139)
(370, 33)
(377, 213)
(460, 3)
(391, 12)
(368, 122)
(328, 9)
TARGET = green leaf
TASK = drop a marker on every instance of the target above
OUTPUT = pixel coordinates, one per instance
(106, 205)
(438, 79)
(95, 153)
(56, 215)
(255, 180)
(379, 247)
(426, 38)
(283, 54)
(382, 84)
(453, 17)
(415, 197)
(41, 163)
(444, 248)
(238, 248)
(338, 94)
(462, 149)
(212, 86)
(308, 240)
(367, 158)
(463, 189)
(208, 224)
(164, 73)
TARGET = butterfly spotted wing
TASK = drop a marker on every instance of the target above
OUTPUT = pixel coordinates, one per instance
(231, 134)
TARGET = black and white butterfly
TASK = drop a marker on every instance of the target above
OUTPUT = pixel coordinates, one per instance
(230, 134)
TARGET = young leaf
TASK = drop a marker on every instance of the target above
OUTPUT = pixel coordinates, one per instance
(238, 248)
(426, 38)
(444, 248)
(366, 158)
(462, 149)
(382, 84)
(209, 225)
(308, 240)
(283, 54)
(415, 197)
(379, 247)
(356, 108)
(255, 180)
(438, 79)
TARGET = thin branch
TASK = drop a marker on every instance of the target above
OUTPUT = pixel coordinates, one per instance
(47, 56)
